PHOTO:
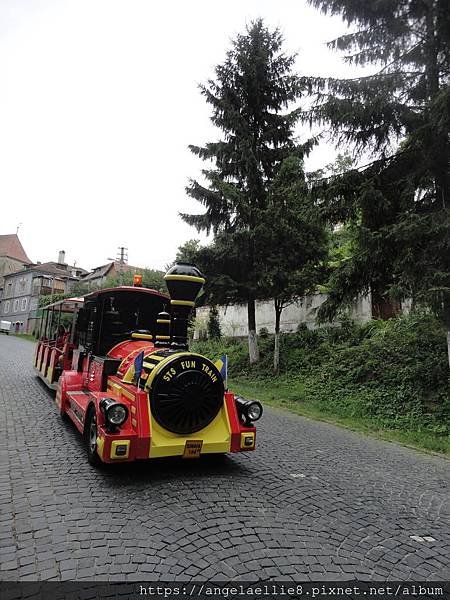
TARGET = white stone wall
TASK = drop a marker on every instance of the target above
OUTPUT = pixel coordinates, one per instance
(233, 318)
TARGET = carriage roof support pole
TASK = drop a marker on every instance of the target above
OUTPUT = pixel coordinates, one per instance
(43, 324)
(74, 320)
(50, 323)
(40, 323)
(59, 316)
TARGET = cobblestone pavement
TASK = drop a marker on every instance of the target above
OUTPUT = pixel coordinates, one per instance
(314, 502)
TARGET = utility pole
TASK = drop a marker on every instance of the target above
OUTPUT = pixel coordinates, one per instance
(122, 258)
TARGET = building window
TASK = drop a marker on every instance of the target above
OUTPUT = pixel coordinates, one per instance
(16, 305)
(24, 303)
(6, 307)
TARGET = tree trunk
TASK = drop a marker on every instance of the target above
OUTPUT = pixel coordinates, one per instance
(276, 348)
(448, 347)
(253, 350)
(440, 146)
(446, 319)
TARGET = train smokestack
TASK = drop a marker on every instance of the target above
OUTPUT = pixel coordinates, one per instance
(184, 281)
(162, 338)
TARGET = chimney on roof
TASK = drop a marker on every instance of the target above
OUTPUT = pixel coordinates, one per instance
(61, 257)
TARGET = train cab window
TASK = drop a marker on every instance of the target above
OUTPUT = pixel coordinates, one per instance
(119, 317)
(123, 313)
(110, 317)
(86, 325)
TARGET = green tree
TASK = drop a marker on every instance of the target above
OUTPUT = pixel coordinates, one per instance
(397, 205)
(80, 288)
(188, 251)
(214, 331)
(150, 279)
(225, 271)
(250, 97)
(291, 243)
(47, 299)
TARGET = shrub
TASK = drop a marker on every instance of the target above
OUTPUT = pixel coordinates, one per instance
(395, 371)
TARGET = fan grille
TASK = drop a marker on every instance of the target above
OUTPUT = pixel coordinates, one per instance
(186, 395)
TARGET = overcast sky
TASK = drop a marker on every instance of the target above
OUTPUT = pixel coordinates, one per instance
(99, 101)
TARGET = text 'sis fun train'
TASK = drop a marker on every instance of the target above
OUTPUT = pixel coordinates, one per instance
(123, 374)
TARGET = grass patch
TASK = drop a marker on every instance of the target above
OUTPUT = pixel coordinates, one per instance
(24, 336)
(289, 396)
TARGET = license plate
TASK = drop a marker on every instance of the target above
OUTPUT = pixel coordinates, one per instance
(192, 448)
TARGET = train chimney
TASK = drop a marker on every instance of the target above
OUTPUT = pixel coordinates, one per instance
(162, 338)
(184, 281)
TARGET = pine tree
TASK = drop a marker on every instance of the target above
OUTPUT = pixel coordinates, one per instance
(398, 205)
(214, 331)
(187, 251)
(250, 96)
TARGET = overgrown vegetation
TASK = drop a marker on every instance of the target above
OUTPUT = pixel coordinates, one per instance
(388, 376)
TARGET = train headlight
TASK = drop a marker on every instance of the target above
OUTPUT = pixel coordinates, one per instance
(115, 413)
(249, 410)
(254, 411)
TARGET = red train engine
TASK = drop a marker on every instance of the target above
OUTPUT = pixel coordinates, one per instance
(125, 377)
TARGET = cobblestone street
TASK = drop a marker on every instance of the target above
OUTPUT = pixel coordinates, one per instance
(314, 502)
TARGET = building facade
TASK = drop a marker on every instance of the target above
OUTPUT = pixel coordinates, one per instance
(12, 257)
(23, 289)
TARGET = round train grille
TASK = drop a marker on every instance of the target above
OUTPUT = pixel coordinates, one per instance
(186, 395)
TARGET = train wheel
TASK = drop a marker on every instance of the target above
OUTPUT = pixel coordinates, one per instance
(62, 413)
(60, 398)
(90, 436)
(64, 416)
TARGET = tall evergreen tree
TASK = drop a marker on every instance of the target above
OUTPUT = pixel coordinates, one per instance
(291, 243)
(398, 204)
(250, 97)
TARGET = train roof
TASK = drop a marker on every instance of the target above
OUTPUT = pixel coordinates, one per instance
(126, 288)
(71, 304)
(67, 304)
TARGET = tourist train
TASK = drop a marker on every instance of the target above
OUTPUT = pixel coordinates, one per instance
(120, 364)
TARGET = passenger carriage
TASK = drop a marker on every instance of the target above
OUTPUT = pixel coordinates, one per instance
(54, 350)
